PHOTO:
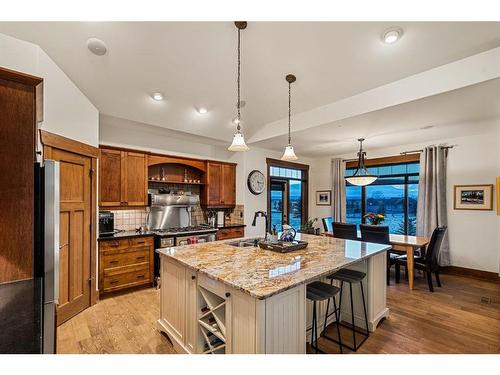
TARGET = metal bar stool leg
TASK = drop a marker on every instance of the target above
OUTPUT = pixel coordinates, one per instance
(352, 319)
(364, 307)
(337, 323)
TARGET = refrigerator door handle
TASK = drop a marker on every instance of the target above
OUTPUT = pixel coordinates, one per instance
(51, 254)
(51, 231)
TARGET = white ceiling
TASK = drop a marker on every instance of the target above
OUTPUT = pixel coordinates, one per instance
(194, 64)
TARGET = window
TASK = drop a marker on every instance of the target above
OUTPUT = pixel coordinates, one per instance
(287, 193)
(393, 194)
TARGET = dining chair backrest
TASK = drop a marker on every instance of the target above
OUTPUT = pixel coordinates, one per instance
(375, 233)
(345, 231)
(327, 223)
(433, 249)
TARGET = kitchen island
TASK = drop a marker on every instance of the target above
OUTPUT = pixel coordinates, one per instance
(220, 298)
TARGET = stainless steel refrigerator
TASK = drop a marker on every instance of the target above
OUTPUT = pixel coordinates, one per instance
(28, 307)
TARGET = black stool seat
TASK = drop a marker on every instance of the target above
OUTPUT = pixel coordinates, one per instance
(321, 291)
(317, 292)
(350, 276)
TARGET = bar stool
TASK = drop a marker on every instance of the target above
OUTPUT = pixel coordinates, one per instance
(317, 292)
(351, 277)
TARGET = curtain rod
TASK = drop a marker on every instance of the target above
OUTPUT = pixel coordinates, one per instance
(419, 151)
(403, 153)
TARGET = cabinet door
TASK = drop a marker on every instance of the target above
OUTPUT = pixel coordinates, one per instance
(110, 178)
(228, 185)
(173, 297)
(135, 181)
(214, 184)
(191, 337)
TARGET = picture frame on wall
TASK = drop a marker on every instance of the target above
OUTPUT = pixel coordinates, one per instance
(323, 198)
(473, 197)
(498, 196)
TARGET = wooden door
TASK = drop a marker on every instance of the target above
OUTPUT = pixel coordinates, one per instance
(110, 178)
(135, 180)
(214, 171)
(228, 185)
(74, 233)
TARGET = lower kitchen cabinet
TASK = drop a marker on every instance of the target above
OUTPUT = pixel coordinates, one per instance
(202, 315)
(228, 233)
(125, 263)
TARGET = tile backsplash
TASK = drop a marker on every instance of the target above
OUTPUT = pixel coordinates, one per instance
(133, 219)
(130, 219)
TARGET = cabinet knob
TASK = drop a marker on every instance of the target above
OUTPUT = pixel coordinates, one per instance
(228, 294)
(193, 277)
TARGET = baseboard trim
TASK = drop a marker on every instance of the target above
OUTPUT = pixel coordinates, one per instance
(469, 272)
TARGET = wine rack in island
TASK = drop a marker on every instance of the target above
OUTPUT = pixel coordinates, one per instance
(211, 322)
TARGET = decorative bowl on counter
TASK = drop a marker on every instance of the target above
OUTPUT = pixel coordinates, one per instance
(283, 246)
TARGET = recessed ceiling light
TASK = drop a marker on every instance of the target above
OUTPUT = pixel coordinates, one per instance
(157, 96)
(391, 36)
(236, 121)
(96, 46)
(202, 110)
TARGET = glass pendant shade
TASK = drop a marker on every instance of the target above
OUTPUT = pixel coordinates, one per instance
(361, 180)
(238, 143)
(289, 154)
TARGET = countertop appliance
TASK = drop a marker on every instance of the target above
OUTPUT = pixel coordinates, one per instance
(28, 306)
(220, 218)
(170, 219)
(106, 223)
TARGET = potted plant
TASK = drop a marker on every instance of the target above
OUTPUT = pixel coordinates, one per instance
(373, 218)
(308, 226)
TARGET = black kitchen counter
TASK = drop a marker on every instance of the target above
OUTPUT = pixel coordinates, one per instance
(126, 234)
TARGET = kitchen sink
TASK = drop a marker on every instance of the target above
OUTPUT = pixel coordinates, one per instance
(249, 242)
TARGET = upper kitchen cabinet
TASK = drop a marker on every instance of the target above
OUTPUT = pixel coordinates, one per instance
(122, 178)
(220, 188)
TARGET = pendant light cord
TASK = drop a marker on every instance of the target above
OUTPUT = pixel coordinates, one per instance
(289, 112)
(239, 63)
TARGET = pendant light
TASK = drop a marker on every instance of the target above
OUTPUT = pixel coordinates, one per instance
(238, 139)
(361, 176)
(289, 154)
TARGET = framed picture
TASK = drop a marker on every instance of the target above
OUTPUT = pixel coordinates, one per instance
(324, 198)
(473, 197)
(498, 196)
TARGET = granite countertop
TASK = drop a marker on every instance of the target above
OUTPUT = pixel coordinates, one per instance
(263, 273)
(126, 234)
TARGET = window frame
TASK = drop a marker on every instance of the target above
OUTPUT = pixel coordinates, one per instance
(388, 161)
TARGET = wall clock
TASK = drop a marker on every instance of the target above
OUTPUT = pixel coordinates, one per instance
(256, 182)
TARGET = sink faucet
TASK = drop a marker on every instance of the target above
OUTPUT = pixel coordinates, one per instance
(262, 214)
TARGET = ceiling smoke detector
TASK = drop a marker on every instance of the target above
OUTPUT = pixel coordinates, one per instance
(97, 46)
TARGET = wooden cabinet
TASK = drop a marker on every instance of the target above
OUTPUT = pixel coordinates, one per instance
(220, 188)
(122, 178)
(125, 263)
(228, 233)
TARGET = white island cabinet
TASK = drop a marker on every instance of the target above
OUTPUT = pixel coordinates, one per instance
(217, 298)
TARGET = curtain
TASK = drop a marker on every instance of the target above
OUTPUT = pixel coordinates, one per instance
(431, 206)
(338, 190)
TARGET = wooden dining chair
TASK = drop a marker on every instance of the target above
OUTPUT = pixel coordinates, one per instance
(327, 223)
(428, 262)
(345, 231)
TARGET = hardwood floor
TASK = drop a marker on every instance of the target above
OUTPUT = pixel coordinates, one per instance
(451, 320)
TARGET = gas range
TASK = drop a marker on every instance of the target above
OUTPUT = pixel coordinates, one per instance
(185, 231)
(179, 237)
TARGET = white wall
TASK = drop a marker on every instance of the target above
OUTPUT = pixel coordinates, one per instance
(67, 111)
(474, 235)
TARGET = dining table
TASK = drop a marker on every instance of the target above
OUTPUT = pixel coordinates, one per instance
(403, 243)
